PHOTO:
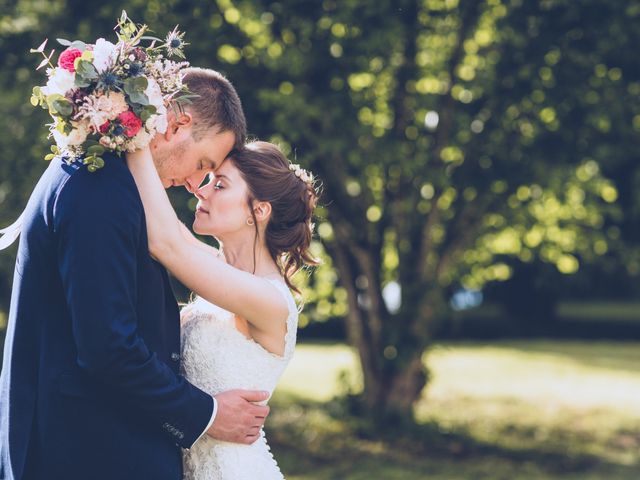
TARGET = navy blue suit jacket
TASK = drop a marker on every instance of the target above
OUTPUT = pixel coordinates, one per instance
(90, 386)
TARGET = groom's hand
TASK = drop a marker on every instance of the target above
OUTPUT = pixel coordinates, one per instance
(239, 419)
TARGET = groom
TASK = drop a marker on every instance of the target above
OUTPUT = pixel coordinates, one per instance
(90, 387)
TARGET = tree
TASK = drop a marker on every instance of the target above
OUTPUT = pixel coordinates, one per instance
(449, 136)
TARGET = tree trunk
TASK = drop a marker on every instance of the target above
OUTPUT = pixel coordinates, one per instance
(404, 389)
(393, 371)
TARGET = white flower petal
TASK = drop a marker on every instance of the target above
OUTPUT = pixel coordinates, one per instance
(78, 135)
(60, 82)
(104, 54)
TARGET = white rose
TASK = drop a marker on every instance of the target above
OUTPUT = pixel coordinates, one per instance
(60, 82)
(113, 104)
(158, 122)
(76, 137)
(104, 55)
(98, 118)
(141, 140)
(161, 123)
(79, 134)
(154, 94)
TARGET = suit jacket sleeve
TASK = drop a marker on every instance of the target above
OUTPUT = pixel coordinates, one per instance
(98, 219)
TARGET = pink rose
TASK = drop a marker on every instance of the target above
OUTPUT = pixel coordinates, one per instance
(131, 123)
(67, 59)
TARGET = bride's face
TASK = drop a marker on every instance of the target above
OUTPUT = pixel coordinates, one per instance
(222, 208)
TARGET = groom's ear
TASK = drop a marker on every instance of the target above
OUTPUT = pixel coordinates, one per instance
(177, 121)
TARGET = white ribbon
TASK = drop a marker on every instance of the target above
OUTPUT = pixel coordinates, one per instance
(10, 233)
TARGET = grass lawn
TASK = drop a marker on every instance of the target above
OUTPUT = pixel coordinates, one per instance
(505, 410)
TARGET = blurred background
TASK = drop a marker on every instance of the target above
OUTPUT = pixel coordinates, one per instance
(477, 312)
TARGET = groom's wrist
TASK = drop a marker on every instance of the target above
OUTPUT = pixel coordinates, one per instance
(211, 420)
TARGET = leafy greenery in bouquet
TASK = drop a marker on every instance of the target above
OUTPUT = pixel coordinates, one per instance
(111, 97)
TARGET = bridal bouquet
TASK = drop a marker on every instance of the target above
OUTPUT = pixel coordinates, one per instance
(111, 97)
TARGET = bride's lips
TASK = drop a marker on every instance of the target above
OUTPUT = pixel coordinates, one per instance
(199, 209)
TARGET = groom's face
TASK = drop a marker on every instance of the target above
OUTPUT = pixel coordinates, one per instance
(182, 160)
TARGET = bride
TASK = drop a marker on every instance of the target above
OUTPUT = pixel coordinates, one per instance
(240, 332)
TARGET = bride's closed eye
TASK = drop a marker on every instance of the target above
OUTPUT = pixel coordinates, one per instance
(218, 185)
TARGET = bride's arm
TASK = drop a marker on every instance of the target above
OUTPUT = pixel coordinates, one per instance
(188, 236)
(242, 293)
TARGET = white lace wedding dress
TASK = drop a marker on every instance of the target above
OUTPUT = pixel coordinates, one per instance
(218, 357)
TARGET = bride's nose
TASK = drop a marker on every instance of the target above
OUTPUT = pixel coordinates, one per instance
(204, 191)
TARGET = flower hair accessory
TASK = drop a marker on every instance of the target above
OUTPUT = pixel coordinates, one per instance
(301, 173)
(106, 97)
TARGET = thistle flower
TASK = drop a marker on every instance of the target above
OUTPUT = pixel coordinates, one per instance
(174, 43)
(108, 81)
(136, 69)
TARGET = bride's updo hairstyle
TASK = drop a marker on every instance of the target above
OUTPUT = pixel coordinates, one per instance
(292, 193)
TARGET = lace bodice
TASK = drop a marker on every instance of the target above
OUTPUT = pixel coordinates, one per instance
(217, 357)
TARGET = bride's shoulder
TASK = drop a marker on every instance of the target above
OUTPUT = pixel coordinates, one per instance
(281, 285)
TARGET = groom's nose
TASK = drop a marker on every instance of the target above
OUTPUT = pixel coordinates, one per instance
(193, 182)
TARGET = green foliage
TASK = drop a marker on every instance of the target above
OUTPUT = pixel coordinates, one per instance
(86, 71)
(450, 136)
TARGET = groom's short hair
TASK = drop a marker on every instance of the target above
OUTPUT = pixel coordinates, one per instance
(217, 105)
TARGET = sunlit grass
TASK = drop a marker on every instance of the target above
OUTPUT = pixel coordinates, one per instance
(537, 409)
(629, 311)
(579, 397)
(314, 374)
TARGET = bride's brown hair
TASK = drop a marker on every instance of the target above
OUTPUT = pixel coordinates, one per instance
(289, 230)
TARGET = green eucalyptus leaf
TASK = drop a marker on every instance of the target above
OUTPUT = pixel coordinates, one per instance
(95, 150)
(78, 44)
(140, 98)
(135, 85)
(128, 86)
(62, 106)
(87, 70)
(141, 83)
(80, 81)
(146, 112)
